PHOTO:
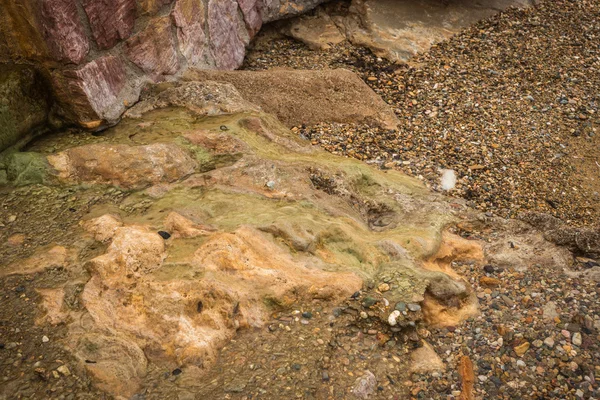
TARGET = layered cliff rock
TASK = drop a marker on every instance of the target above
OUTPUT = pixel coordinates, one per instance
(98, 55)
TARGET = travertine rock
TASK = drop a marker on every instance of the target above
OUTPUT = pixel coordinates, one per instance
(122, 165)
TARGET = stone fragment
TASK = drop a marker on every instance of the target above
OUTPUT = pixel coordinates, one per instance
(52, 303)
(365, 385)
(43, 259)
(153, 49)
(63, 30)
(64, 370)
(489, 282)
(103, 228)
(122, 165)
(425, 360)
(110, 20)
(467, 378)
(318, 32)
(576, 339)
(188, 17)
(228, 45)
(549, 311)
(393, 318)
(118, 365)
(522, 348)
(183, 227)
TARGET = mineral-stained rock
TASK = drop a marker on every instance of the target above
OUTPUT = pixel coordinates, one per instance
(467, 378)
(180, 226)
(153, 49)
(228, 44)
(56, 256)
(117, 365)
(92, 91)
(20, 33)
(110, 20)
(307, 97)
(103, 228)
(24, 103)
(188, 17)
(63, 30)
(281, 224)
(252, 15)
(151, 6)
(123, 165)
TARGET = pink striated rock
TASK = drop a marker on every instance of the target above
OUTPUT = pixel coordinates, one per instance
(110, 20)
(153, 49)
(63, 31)
(224, 27)
(91, 92)
(188, 17)
(252, 15)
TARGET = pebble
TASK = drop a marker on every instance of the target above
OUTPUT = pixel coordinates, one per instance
(414, 307)
(392, 319)
(45, 339)
(549, 342)
(576, 339)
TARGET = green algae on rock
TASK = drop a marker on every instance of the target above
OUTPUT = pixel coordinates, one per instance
(259, 221)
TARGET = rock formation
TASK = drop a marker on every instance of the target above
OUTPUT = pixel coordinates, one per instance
(96, 56)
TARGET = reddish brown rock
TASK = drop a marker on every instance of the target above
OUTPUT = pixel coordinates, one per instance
(151, 6)
(153, 49)
(63, 31)
(91, 92)
(227, 44)
(252, 15)
(188, 17)
(121, 165)
(110, 20)
(467, 377)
